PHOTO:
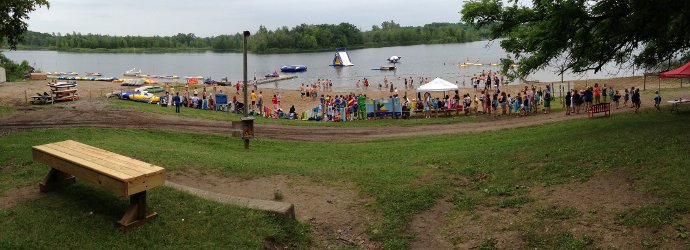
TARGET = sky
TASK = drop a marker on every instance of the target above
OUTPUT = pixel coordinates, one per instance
(215, 17)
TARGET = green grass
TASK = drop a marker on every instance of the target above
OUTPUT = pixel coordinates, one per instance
(83, 217)
(559, 240)
(464, 203)
(557, 213)
(651, 145)
(514, 202)
(4, 110)
(227, 116)
(652, 216)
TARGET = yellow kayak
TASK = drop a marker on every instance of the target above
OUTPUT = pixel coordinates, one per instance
(145, 98)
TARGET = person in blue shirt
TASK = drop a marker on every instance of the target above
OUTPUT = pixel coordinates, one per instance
(657, 101)
(176, 100)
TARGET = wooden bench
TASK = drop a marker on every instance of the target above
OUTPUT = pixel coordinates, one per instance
(119, 174)
(600, 108)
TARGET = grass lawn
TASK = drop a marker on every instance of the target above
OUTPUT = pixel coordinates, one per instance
(404, 176)
(83, 217)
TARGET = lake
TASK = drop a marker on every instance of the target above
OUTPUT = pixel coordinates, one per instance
(438, 60)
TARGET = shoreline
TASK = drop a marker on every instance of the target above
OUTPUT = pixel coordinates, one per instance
(13, 93)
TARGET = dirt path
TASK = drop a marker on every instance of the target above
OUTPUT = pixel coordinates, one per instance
(96, 114)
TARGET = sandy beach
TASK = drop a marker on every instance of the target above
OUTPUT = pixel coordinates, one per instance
(19, 93)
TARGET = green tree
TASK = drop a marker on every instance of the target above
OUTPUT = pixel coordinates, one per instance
(13, 16)
(582, 35)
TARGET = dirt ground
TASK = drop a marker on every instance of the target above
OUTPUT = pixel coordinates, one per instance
(338, 215)
(596, 203)
(335, 212)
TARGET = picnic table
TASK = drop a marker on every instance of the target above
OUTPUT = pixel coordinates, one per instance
(39, 99)
(675, 103)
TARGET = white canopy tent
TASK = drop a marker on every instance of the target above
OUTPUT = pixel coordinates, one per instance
(437, 85)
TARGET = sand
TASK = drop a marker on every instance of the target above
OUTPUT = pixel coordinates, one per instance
(18, 93)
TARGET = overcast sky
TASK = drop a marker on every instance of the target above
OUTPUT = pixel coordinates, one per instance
(215, 17)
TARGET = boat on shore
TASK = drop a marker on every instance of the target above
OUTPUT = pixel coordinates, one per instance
(194, 77)
(93, 74)
(132, 72)
(223, 81)
(63, 84)
(293, 68)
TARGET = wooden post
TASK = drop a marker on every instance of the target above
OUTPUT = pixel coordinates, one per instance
(138, 212)
(55, 179)
(26, 97)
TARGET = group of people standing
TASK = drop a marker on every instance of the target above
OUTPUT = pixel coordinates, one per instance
(592, 95)
(495, 102)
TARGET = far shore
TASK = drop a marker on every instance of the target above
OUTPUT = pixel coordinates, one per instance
(205, 50)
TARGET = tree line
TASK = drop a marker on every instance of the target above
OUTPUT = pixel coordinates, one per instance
(305, 37)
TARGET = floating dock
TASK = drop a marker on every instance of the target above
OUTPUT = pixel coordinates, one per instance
(275, 79)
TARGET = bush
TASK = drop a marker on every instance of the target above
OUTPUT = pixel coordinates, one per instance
(14, 72)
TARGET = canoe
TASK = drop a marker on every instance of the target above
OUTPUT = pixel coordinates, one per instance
(145, 97)
(65, 91)
(386, 68)
(149, 81)
(67, 98)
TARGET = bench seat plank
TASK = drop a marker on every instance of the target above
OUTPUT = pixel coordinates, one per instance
(137, 166)
(107, 182)
(84, 162)
(115, 162)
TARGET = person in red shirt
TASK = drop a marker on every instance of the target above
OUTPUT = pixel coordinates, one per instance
(597, 93)
(274, 100)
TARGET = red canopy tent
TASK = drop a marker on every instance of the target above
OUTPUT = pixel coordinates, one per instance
(680, 72)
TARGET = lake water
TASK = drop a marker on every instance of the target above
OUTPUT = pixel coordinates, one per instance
(417, 61)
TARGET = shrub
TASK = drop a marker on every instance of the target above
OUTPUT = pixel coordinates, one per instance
(14, 71)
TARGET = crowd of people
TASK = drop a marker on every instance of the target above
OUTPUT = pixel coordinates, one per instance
(575, 99)
(489, 98)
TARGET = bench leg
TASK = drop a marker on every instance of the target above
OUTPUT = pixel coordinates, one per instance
(55, 179)
(138, 212)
